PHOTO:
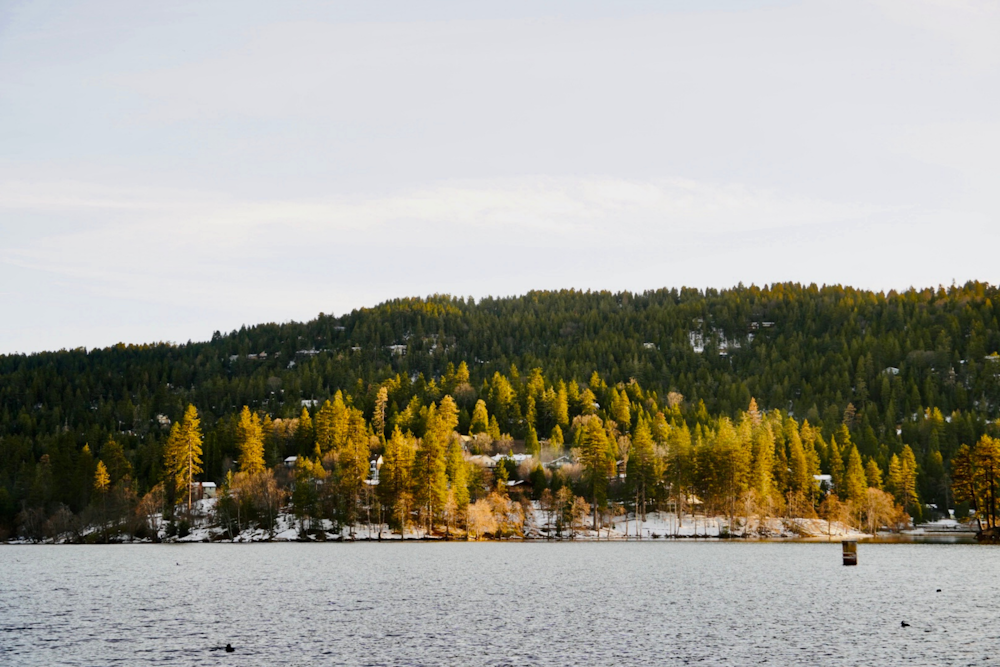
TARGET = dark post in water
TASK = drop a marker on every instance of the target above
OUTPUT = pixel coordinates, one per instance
(850, 552)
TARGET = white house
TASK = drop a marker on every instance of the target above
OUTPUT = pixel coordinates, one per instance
(482, 461)
(516, 458)
(825, 482)
(555, 464)
(201, 490)
(374, 466)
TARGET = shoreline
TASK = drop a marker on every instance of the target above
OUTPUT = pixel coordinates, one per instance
(538, 526)
(882, 538)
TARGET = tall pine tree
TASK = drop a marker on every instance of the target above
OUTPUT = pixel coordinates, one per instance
(250, 442)
(182, 454)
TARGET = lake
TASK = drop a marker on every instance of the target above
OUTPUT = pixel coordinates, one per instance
(650, 603)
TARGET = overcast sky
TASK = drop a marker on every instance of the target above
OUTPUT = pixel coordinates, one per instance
(171, 169)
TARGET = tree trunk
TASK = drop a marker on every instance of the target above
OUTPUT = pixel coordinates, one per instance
(993, 500)
(979, 515)
(593, 495)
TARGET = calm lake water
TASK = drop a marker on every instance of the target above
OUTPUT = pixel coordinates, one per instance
(659, 603)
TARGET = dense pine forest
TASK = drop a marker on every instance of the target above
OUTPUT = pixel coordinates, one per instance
(731, 400)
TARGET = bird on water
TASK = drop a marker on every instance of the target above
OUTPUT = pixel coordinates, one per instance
(229, 648)
(902, 624)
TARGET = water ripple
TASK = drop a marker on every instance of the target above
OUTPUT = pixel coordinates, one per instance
(498, 604)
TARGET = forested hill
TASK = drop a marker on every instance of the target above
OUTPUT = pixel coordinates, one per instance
(917, 367)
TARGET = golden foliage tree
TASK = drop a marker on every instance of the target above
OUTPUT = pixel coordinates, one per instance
(594, 452)
(855, 484)
(396, 478)
(182, 454)
(250, 442)
(102, 480)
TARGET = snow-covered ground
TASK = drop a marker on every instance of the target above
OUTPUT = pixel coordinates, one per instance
(663, 525)
(941, 526)
(538, 526)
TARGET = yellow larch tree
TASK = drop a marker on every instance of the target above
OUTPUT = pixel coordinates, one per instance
(250, 442)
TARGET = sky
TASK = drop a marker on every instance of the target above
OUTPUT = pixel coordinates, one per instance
(172, 169)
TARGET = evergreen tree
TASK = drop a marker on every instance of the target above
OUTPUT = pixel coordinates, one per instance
(986, 466)
(620, 410)
(641, 470)
(305, 498)
(117, 463)
(560, 407)
(458, 476)
(462, 374)
(378, 417)
(572, 399)
(597, 460)
(494, 428)
(182, 454)
(894, 481)
(800, 478)
(762, 459)
(837, 469)
(531, 445)
(84, 477)
(447, 417)
(873, 474)
(305, 434)
(723, 462)
(331, 426)
(680, 463)
(431, 469)
(501, 476)
(250, 442)
(964, 480)
(396, 478)
(102, 480)
(352, 463)
(501, 400)
(480, 419)
(539, 482)
(855, 484)
(908, 486)
(531, 411)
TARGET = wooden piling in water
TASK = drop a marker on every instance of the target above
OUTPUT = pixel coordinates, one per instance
(850, 552)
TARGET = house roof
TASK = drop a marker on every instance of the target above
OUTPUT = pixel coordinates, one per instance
(485, 461)
(516, 458)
